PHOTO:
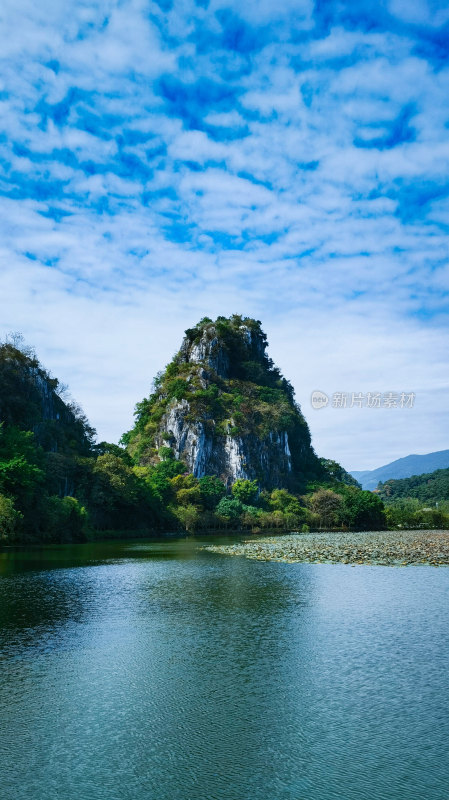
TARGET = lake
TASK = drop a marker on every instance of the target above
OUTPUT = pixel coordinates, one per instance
(159, 671)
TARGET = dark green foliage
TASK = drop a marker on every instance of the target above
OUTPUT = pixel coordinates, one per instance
(408, 512)
(20, 399)
(347, 506)
(281, 500)
(20, 462)
(429, 488)
(177, 389)
(64, 520)
(212, 490)
(336, 473)
(169, 468)
(103, 448)
(54, 483)
(29, 401)
(41, 440)
(114, 495)
(230, 508)
(419, 501)
(245, 491)
(166, 454)
(22, 477)
(10, 519)
(363, 510)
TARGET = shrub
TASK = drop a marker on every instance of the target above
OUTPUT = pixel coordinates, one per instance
(229, 508)
(327, 504)
(281, 500)
(186, 497)
(188, 516)
(212, 490)
(363, 509)
(166, 454)
(65, 520)
(9, 519)
(184, 482)
(245, 491)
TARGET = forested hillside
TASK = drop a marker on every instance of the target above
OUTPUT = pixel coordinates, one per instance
(219, 445)
(432, 487)
(56, 484)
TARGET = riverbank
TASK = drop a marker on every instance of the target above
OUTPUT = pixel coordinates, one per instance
(388, 548)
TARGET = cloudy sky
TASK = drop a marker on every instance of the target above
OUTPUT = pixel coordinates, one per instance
(162, 161)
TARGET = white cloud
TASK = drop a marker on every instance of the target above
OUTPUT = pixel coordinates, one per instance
(293, 224)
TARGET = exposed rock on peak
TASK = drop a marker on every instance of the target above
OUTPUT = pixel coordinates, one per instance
(224, 409)
(209, 352)
(222, 346)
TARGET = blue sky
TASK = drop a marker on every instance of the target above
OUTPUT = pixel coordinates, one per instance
(289, 161)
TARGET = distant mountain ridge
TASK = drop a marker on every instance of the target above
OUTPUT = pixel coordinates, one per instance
(402, 468)
(429, 488)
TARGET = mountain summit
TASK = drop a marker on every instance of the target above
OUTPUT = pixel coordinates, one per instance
(223, 408)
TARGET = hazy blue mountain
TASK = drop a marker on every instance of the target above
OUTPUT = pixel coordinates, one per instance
(402, 468)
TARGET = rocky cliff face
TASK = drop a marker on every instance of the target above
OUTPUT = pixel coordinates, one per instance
(29, 400)
(227, 456)
(224, 409)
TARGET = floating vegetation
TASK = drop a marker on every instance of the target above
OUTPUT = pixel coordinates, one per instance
(387, 548)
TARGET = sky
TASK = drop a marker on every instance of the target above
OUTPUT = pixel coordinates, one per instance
(164, 161)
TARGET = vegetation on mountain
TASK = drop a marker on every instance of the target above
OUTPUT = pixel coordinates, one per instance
(418, 501)
(431, 487)
(57, 484)
(222, 385)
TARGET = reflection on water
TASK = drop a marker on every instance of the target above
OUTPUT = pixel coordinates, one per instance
(155, 671)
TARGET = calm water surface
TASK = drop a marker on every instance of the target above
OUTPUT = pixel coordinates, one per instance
(155, 671)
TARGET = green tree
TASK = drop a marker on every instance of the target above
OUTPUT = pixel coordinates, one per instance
(186, 497)
(65, 520)
(166, 454)
(363, 509)
(212, 490)
(159, 477)
(229, 508)
(188, 516)
(281, 500)
(108, 448)
(244, 490)
(18, 476)
(9, 519)
(117, 497)
(251, 516)
(22, 477)
(327, 505)
(184, 481)
(431, 518)
(337, 473)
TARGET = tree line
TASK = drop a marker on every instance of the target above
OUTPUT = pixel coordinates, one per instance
(58, 485)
